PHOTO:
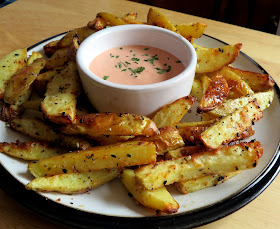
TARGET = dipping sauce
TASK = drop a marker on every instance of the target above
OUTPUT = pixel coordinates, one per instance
(136, 65)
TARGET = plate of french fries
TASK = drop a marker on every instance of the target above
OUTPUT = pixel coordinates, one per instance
(196, 160)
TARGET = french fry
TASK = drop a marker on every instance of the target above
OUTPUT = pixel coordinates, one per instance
(73, 183)
(97, 158)
(159, 200)
(9, 65)
(100, 124)
(60, 101)
(39, 130)
(228, 127)
(256, 81)
(214, 95)
(221, 161)
(264, 100)
(30, 150)
(213, 59)
(19, 87)
(171, 114)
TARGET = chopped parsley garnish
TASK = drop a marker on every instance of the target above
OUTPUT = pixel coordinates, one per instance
(152, 59)
(117, 57)
(145, 54)
(136, 71)
(105, 77)
(121, 48)
(111, 55)
(135, 59)
(162, 70)
(178, 61)
(146, 48)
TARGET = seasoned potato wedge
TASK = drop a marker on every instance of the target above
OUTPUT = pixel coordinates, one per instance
(39, 130)
(214, 95)
(167, 139)
(82, 33)
(103, 157)
(60, 101)
(58, 59)
(30, 150)
(228, 127)
(34, 56)
(159, 199)
(221, 161)
(171, 114)
(156, 18)
(9, 65)
(19, 86)
(206, 81)
(197, 89)
(110, 139)
(97, 24)
(74, 182)
(111, 19)
(191, 30)
(200, 183)
(213, 59)
(50, 48)
(256, 81)
(130, 18)
(264, 100)
(72, 50)
(237, 86)
(100, 124)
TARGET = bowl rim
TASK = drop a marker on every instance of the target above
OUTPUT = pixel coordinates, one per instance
(127, 29)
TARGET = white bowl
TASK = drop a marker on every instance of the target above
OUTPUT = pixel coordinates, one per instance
(106, 96)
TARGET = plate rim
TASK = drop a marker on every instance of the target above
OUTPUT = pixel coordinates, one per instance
(63, 214)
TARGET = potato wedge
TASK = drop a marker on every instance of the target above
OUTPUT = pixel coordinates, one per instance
(213, 59)
(34, 56)
(41, 131)
(58, 59)
(97, 24)
(73, 183)
(206, 81)
(197, 89)
(34, 104)
(256, 81)
(221, 161)
(111, 19)
(30, 150)
(200, 183)
(50, 48)
(264, 100)
(190, 31)
(171, 114)
(82, 33)
(19, 87)
(237, 86)
(60, 101)
(159, 200)
(155, 17)
(214, 95)
(100, 124)
(228, 127)
(130, 18)
(97, 158)
(167, 139)
(9, 65)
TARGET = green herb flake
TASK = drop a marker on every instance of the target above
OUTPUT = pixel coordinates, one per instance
(105, 77)
(162, 70)
(121, 48)
(135, 59)
(111, 55)
(117, 57)
(136, 71)
(146, 48)
(152, 59)
(178, 61)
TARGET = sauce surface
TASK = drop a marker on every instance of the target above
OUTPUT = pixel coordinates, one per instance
(136, 65)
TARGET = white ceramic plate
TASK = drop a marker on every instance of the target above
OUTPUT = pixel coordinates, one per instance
(111, 204)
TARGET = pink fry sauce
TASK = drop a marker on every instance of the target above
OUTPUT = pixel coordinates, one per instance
(136, 65)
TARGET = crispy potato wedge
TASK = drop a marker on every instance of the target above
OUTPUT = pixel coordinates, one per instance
(185, 151)
(7, 113)
(264, 100)
(50, 48)
(34, 56)
(42, 80)
(9, 65)
(206, 81)
(110, 139)
(60, 101)
(97, 24)
(221, 161)
(237, 86)
(41, 131)
(30, 150)
(159, 200)
(256, 81)
(200, 183)
(73, 183)
(72, 50)
(213, 59)
(58, 59)
(100, 124)
(171, 114)
(19, 87)
(155, 17)
(228, 127)
(214, 95)
(130, 18)
(111, 19)
(197, 89)
(190, 31)
(97, 158)
(167, 139)
(34, 104)
(82, 33)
